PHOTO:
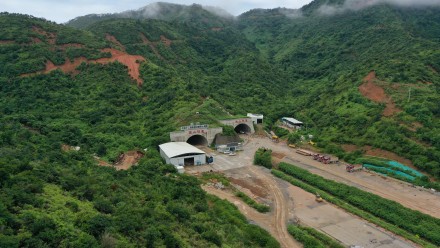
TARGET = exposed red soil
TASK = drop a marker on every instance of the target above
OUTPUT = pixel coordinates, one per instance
(255, 187)
(349, 147)
(112, 39)
(151, 45)
(131, 61)
(413, 126)
(128, 159)
(102, 162)
(36, 40)
(377, 152)
(51, 37)
(372, 91)
(165, 40)
(377, 94)
(67, 67)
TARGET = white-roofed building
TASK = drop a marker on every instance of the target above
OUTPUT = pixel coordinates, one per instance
(181, 154)
(291, 122)
(256, 118)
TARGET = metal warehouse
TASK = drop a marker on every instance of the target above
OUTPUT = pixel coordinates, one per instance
(291, 122)
(182, 154)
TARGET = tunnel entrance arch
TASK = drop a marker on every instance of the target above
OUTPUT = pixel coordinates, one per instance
(243, 128)
(197, 140)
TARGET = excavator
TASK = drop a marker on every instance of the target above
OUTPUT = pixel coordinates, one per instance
(318, 198)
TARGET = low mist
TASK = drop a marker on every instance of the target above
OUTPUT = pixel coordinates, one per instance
(361, 4)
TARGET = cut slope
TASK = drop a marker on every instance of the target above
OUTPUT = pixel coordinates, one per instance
(377, 94)
(131, 61)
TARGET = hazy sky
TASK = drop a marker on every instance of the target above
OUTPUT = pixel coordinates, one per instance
(63, 10)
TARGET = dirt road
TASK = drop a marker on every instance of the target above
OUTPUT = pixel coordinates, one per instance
(279, 208)
(415, 198)
(274, 223)
(401, 192)
(290, 203)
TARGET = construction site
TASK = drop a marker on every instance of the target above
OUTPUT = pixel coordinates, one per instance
(293, 205)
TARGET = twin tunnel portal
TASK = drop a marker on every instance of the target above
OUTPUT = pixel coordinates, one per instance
(202, 135)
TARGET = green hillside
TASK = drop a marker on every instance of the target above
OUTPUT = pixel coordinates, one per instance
(194, 14)
(61, 87)
(54, 197)
(327, 58)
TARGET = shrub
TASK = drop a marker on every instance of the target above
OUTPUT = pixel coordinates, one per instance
(392, 212)
(259, 207)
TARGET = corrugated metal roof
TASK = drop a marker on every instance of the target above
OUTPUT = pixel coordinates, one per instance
(292, 120)
(174, 149)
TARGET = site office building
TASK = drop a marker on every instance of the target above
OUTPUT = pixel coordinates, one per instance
(181, 154)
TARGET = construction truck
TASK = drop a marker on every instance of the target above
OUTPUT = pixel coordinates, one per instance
(325, 159)
(292, 145)
(353, 168)
(304, 152)
(318, 198)
(312, 143)
(275, 139)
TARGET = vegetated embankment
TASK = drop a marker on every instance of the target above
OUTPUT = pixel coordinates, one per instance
(413, 225)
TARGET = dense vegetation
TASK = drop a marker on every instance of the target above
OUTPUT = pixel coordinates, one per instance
(412, 221)
(56, 198)
(263, 157)
(251, 202)
(199, 67)
(311, 238)
(326, 60)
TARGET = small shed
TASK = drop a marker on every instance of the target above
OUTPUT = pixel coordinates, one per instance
(291, 122)
(256, 118)
(182, 154)
(228, 143)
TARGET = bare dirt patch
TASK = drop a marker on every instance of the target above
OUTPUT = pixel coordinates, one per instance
(413, 126)
(51, 37)
(165, 40)
(349, 147)
(377, 152)
(151, 45)
(254, 186)
(67, 67)
(113, 40)
(131, 61)
(35, 40)
(375, 93)
(216, 29)
(128, 159)
(277, 157)
(102, 162)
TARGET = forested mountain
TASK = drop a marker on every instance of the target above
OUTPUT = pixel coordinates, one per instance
(60, 89)
(363, 75)
(162, 11)
(327, 57)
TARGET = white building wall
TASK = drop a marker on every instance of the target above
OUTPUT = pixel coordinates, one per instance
(181, 160)
(163, 155)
